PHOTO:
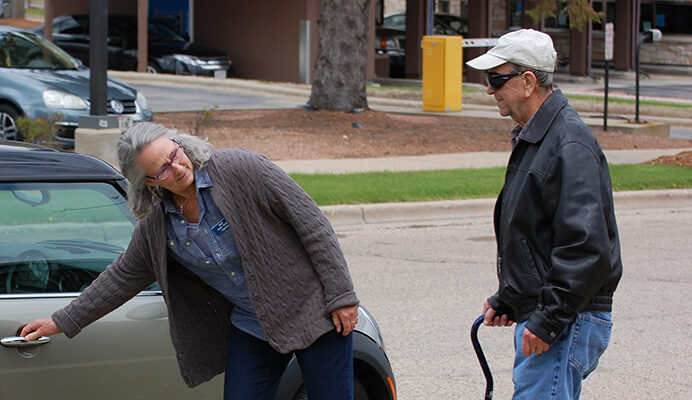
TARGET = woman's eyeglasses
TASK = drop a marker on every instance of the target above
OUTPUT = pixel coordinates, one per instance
(165, 171)
(496, 81)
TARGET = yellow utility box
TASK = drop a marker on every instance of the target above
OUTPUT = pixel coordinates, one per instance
(442, 73)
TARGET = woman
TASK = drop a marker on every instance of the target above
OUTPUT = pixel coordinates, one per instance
(250, 268)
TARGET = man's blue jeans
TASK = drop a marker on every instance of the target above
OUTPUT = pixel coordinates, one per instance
(558, 373)
(253, 367)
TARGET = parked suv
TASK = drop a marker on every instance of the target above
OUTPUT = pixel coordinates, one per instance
(168, 51)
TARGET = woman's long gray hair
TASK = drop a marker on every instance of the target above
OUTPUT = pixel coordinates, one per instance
(142, 197)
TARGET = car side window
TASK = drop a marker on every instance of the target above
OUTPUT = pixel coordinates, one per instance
(396, 21)
(71, 26)
(57, 238)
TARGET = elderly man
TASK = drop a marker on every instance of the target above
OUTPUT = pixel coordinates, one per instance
(558, 260)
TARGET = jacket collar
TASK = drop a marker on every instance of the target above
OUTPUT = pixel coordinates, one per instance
(537, 127)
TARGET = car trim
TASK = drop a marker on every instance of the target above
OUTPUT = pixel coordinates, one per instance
(145, 293)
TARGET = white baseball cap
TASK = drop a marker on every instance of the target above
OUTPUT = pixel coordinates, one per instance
(525, 47)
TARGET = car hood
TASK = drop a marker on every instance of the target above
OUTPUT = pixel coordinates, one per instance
(72, 81)
(159, 49)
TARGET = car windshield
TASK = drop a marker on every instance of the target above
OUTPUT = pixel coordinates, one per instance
(31, 51)
(57, 237)
(453, 22)
(159, 31)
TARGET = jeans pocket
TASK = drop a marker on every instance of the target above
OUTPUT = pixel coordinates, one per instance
(591, 337)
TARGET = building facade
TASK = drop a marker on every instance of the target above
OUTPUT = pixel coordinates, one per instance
(265, 39)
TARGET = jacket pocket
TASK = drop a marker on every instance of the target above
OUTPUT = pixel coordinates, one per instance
(529, 263)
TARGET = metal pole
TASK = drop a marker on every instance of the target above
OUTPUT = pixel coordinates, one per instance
(431, 13)
(605, 97)
(304, 51)
(640, 40)
(98, 57)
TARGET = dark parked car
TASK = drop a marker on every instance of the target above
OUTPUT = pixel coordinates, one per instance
(63, 219)
(40, 81)
(390, 37)
(444, 24)
(168, 51)
(391, 42)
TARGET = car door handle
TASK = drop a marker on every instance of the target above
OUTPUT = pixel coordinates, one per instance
(18, 341)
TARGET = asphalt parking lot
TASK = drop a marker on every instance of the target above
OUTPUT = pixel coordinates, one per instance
(425, 282)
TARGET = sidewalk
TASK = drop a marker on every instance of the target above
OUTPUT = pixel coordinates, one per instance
(481, 159)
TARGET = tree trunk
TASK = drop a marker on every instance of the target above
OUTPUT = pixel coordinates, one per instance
(339, 82)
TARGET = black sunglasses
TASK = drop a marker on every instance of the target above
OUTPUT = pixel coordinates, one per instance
(496, 81)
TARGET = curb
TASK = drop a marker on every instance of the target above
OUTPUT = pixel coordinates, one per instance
(365, 214)
(227, 83)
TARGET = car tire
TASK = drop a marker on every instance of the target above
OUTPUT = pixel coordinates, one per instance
(359, 392)
(153, 68)
(8, 123)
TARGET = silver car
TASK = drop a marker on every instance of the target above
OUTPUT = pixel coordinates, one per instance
(63, 218)
(40, 81)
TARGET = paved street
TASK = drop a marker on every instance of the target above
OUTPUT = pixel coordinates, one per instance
(169, 93)
(170, 98)
(425, 283)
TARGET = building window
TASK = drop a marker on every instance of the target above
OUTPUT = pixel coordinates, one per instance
(609, 14)
(516, 8)
(669, 17)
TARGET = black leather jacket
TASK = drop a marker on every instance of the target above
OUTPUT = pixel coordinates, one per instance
(557, 239)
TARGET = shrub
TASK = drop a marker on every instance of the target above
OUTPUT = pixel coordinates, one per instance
(39, 130)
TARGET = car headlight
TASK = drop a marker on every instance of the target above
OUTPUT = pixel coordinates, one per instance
(142, 101)
(185, 59)
(63, 100)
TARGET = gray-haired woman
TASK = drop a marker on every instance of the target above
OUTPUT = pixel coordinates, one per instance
(250, 268)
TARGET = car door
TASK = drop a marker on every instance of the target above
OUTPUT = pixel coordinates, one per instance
(54, 240)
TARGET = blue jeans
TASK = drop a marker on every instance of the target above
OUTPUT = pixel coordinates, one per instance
(253, 367)
(558, 373)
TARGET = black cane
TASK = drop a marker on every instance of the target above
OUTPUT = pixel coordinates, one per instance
(481, 358)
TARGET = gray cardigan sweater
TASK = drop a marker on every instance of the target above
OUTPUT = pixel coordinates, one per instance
(295, 270)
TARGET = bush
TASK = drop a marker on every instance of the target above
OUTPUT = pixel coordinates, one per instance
(203, 119)
(40, 130)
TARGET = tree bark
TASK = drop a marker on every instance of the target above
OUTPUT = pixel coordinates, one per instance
(339, 82)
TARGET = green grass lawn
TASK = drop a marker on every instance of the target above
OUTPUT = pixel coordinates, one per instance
(380, 187)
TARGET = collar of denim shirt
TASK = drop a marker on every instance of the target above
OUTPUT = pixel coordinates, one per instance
(202, 181)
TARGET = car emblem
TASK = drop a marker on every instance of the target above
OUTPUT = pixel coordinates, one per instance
(117, 106)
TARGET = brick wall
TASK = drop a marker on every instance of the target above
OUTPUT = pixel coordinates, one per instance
(669, 51)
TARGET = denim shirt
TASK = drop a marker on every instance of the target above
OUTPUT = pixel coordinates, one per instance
(209, 251)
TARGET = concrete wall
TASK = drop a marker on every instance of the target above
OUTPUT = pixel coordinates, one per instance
(261, 37)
